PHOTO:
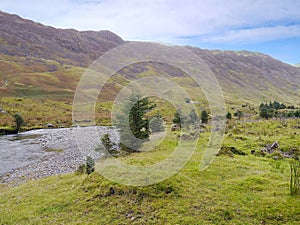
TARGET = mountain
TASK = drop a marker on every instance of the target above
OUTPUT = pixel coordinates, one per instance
(42, 60)
(253, 77)
(20, 37)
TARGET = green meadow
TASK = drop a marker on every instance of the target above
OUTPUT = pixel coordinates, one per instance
(235, 189)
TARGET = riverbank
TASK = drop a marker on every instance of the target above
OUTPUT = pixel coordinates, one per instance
(7, 130)
(40, 153)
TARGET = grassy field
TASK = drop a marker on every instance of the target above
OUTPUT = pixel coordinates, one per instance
(233, 190)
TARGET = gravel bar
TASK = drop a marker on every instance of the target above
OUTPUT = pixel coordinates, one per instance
(40, 153)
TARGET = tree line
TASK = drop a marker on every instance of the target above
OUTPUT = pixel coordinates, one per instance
(277, 109)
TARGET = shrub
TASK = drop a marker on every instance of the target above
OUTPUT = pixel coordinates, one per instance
(204, 117)
(90, 165)
(177, 118)
(81, 169)
(105, 139)
(228, 116)
(19, 121)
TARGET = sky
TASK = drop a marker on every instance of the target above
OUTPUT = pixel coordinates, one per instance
(268, 26)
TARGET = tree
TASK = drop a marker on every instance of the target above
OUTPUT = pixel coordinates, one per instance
(156, 123)
(133, 124)
(266, 111)
(19, 121)
(228, 116)
(177, 118)
(193, 117)
(204, 116)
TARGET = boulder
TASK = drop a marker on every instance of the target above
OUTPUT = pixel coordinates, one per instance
(175, 127)
(49, 125)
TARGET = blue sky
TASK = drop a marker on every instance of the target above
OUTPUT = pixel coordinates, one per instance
(268, 26)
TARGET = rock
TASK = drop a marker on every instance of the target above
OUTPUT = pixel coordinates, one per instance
(271, 148)
(274, 145)
(175, 127)
(49, 125)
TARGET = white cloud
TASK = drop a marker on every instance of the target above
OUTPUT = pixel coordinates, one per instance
(165, 20)
(261, 34)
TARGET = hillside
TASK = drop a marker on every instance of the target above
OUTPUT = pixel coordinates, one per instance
(39, 61)
(25, 38)
(253, 77)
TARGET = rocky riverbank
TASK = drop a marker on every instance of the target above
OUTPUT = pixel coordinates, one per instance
(40, 153)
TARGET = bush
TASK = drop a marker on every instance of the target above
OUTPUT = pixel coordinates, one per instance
(90, 165)
(107, 142)
(177, 118)
(228, 116)
(204, 117)
(81, 169)
(19, 121)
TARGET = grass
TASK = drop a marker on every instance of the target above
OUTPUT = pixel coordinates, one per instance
(36, 112)
(233, 190)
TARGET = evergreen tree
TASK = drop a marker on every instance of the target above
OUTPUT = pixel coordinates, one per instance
(228, 116)
(19, 121)
(266, 111)
(204, 116)
(177, 118)
(133, 114)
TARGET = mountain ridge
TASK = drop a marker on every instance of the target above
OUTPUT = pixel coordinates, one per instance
(22, 37)
(27, 47)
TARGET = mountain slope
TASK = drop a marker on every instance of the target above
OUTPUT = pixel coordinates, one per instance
(253, 76)
(21, 37)
(36, 59)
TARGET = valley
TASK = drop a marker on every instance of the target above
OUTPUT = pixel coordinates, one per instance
(43, 169)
